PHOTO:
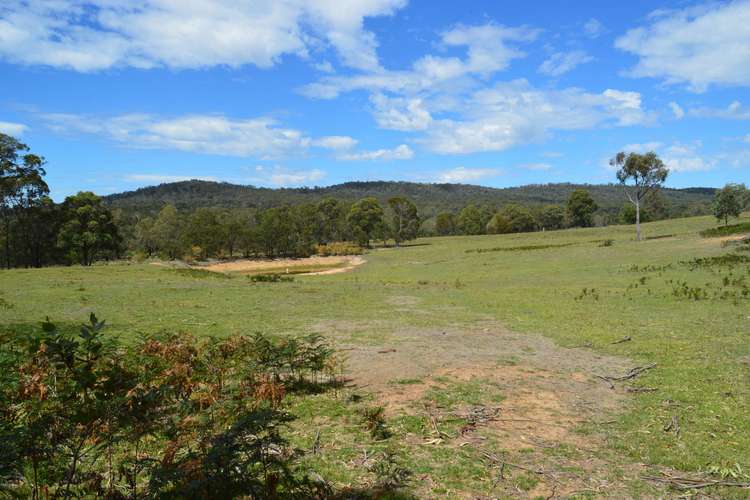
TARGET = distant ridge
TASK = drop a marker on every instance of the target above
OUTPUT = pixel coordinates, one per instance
(430, 198)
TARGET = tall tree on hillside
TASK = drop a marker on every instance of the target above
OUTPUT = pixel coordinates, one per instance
(729, 201)
(471, 220)
(365, 218)
(520, 219)
(552, 217)
(581, 208)
(22, 184)
(168, 232)
(88, 230)
(405, 222)
(445, 224)
(330, 219)
(204, 232)
(646, 172)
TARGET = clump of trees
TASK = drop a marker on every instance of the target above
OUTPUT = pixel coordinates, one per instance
(35, 231)
(169, 416)
(730, 201)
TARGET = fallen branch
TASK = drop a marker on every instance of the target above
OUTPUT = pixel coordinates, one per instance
(386, 351)
(632, 373)
(622, 340)
(688, 483)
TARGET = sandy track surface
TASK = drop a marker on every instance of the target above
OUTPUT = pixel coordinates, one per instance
(338, 264)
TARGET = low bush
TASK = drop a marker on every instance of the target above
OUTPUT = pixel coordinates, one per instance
(170, 416)
(726, 230)
(339, 248)
(270, 278)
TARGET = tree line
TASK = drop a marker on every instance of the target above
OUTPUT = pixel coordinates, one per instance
(35, 231)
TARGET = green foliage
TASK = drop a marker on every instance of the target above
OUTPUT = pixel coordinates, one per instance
(498, 224)
(445, 224)
(730, 201)
(472, 220)
(373, 418)
(405, 221)
(628, 216)
(88, 231)
(716, 232)
(581, 208)
(168, 417)
(520, 219)
(365, 218)
(271, 278)
(552, 217)
(646, 172)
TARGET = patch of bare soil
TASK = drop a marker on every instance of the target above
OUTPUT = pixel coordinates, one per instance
(338, 264)
(549, 393)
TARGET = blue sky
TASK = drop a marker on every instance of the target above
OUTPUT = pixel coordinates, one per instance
(119, 94)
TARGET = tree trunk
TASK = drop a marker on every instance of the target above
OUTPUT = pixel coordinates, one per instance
(638, 222)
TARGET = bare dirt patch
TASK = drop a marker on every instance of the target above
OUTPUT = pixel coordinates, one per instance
(549, 393)
(307, 266)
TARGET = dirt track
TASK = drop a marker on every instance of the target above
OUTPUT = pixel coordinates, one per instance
(337, 264)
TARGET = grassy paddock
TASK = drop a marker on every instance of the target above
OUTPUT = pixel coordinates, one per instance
(688, 316)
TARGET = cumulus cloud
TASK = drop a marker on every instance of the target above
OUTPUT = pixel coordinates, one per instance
(211, 134)
(697, 46)
(560, 63)
(401, 152)
(335, 142)
(513, 113)
(464, 174)
(100, 34)
(280, 176)
(14, 129)
(677, 156)
(398, 113)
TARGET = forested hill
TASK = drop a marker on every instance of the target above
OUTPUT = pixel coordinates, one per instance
(429, 198)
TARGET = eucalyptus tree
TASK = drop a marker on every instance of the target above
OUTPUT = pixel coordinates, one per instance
(405, 221)
(639, 174)
(22, 185)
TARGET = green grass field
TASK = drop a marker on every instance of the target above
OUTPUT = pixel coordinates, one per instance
(448, 325)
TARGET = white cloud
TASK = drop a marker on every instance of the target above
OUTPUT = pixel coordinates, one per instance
(489, 49)
(746, 139)
(698, 46)
(593, 28)
(400, 113)
(677, 156)
(100, 34)
(279, 176)
(677, 110)
(464, 174)
(401, 152)
(335, 142)
(560, 63)
(513, 113)
(14, 129)
(211, 134)
(735, 111)
(164, 178)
